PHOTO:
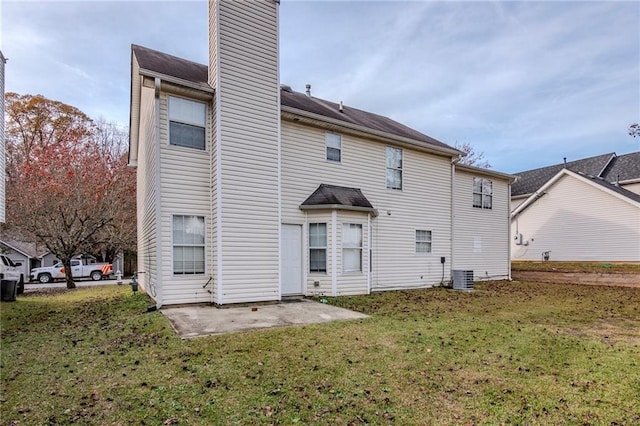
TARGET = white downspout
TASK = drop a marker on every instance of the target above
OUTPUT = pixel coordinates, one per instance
(334, 253)
(158, 200)
(509, 230)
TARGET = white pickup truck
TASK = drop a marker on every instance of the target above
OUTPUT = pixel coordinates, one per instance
(79, 269)
(11, 271)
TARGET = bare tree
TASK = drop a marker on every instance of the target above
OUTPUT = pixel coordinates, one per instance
(472, 158)
(634, 130)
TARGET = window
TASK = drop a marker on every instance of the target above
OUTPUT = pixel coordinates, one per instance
(351, 247)
(334, 147)
(188, 245)
(186, 123)
(482, 193)
(317, 247)
(394, 168)
(423, 241)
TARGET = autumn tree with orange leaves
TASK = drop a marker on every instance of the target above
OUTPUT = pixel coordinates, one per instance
(67, 187)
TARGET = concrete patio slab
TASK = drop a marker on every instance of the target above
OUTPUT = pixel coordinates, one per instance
(195, 321)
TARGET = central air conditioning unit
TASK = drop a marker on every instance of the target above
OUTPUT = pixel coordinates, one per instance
(462, 280)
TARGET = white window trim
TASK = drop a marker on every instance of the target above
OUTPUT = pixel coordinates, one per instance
(187, 122)
(195, 275)
(325, 248)
(400, 169)
(344, 247)
(327, 147)
(482, 193)
(428, 240)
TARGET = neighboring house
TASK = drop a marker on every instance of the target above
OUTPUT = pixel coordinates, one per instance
(2, 141)
(621, 169)
(249, 191)
(586, 211)
(28, 254)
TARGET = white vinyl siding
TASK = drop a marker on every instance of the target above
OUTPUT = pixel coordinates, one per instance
(187, 120)
(244, 71)
(424, 203)
(334, 147)
(147, 195)
(185, 182)
(577, 220)
(423, 241)
(394, 168)
(481, 240)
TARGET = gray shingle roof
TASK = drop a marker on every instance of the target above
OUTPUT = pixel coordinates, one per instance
(624, 167)
(173, 66)
(331, 195)
(351, 115)
(613, 187)
(531, 180)
(163, 63)
(610, 167)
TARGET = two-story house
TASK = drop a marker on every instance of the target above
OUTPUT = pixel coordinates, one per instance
(249, 191)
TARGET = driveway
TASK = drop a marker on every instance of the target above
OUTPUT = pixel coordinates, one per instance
(199, 320)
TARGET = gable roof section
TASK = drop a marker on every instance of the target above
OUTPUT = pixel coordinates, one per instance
(531, 180)
(338, 198)
(610, 167)
(624, 168)
(598, 182)
(155, 64)
(169, 65)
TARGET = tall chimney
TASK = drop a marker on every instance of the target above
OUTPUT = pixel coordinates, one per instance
(245, 146)
(308, 91)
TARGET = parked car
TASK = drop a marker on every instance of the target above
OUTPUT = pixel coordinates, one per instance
(80, 268)
(11, 271)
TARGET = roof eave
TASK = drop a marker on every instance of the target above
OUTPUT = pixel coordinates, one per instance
(371, 210)
(175, 80)
(480, 170)
(294, 114)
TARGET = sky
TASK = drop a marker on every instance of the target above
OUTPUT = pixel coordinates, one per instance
(524, 82)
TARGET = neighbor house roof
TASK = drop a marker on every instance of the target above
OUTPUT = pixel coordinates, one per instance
(624, 168)
(611, 188)
(531, 180)
(337, 197)
(25, 248)
(610, 167)
(153, 61)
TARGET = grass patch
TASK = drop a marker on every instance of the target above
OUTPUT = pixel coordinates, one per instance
(514, 353)
(601, 267)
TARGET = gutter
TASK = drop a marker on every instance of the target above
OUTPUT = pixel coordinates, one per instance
(373, 211)
(175, 80)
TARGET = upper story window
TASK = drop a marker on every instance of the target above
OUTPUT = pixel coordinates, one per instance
(394, 168)
(187, 123)
(317, 247)
(334, 147)
(351, 247)
(482, 193)
(423, 241)
(188, 245)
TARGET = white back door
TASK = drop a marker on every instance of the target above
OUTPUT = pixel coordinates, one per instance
(291, 273)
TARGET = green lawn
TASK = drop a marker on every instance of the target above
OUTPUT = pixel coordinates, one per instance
(513, 353)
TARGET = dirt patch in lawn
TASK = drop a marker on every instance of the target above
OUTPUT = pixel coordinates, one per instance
(589, 278)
